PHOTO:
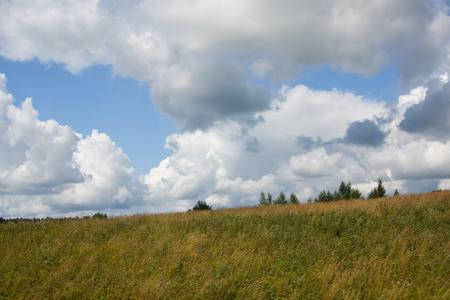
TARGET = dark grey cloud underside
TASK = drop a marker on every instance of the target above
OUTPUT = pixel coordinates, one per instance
(218, 91)
(307, 143)
(365, 133)
(431, 116)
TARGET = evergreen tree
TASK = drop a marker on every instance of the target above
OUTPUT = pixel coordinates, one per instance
(293, 199)
(396, 193)
(356, 194)
(269, 198)
(329, 196)
(263, 200)
(344, 192)
(378, 192)
(322, 197)
(326, 196)
(381, 190)
(281, 199)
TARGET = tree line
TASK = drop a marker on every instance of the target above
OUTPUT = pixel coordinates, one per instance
(344, 192)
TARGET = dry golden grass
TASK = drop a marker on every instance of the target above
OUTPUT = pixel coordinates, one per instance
(389, 248)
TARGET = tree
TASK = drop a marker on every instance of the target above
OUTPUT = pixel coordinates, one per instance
(381, 190)
(337, 196)
(396, 193)
(345, 190)
(322, 197)
(378, 192)
(269, 198)
(100, 215)
(325, 196)
(356, 194)
(263, 200)
(293, 199)
(281, 199)
(201, 205)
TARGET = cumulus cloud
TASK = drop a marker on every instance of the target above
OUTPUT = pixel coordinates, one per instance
(431, 116)
(365, 133)
(107, 178)
(298, 145)
(307, 143)
(36, 155)
(200, 58)
(47, 168)
(303, 147)
(196, 95)
(203, 61)
(416, 159)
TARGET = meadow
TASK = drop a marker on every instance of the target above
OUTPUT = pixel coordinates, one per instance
(385, 248)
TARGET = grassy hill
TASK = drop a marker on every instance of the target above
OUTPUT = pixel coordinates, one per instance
(389, 248)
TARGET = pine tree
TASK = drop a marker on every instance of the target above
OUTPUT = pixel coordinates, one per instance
(269, 198)
(293, 199)
(356, 194)
(378, 192)
(281, 199)
(263, 200)
(381, 190)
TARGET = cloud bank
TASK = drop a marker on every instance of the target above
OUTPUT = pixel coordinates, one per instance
(298, 145)
(201, 57)
(205, 61)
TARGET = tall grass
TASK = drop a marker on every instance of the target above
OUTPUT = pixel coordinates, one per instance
(389, 248)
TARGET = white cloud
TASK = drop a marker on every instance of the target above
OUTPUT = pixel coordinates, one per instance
(416, 159)
(444, 184)
(107, 178)
(319, 163)
(236, 175)
(47, 168)
(296, 146)
(200, 55)
(69, 32)
(36, 155)
(200, 59)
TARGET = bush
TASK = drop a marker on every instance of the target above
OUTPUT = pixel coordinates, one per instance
(100, 216)
(201, 205)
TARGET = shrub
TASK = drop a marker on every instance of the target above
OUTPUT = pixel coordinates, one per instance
(201, 205)
(100, 215)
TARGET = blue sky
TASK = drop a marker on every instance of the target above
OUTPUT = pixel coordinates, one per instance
(95, 98)
(160, 104)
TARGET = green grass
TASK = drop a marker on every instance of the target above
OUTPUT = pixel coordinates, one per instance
(389, 248)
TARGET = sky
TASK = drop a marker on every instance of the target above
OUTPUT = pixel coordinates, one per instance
(148, 106)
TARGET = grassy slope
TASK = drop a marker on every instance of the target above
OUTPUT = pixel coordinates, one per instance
(375, 249)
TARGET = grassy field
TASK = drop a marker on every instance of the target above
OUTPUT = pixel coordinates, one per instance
(389, 248)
